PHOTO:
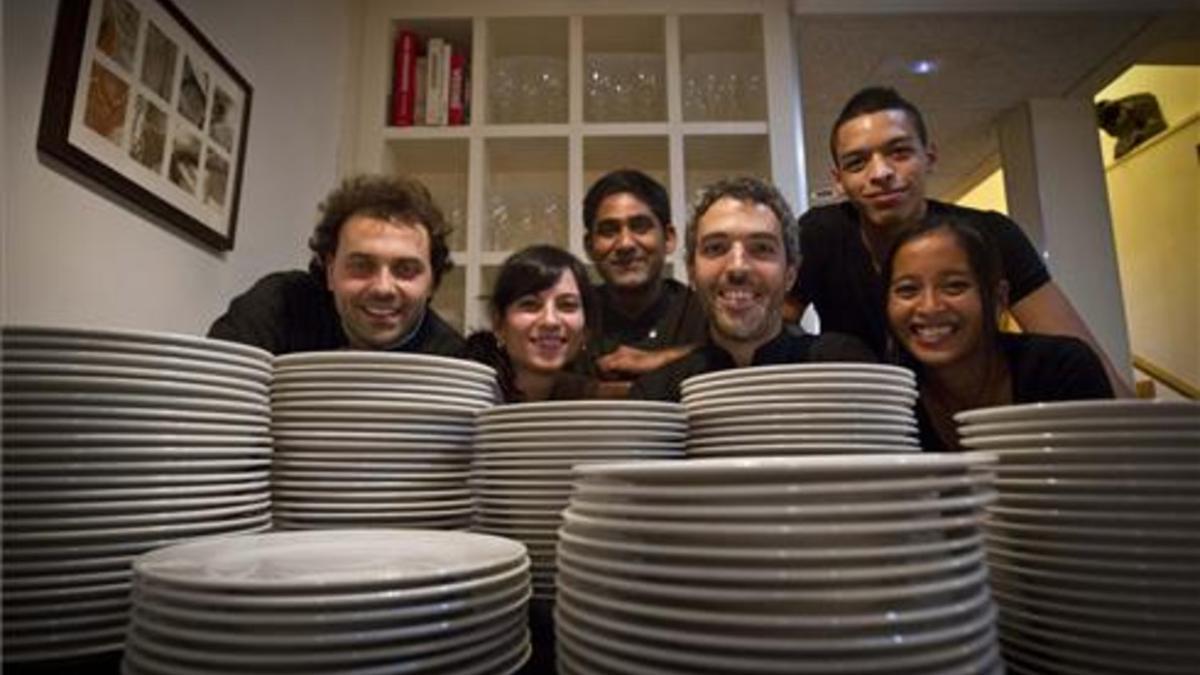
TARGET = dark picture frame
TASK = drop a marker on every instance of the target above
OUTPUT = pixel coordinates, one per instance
(140, 103)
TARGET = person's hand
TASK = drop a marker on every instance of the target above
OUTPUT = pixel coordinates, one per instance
(628, 362)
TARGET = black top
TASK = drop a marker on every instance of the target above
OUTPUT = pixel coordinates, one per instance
(1043, 368)
(790, 346)
(675, 319)
(838, 277)
(287, 312)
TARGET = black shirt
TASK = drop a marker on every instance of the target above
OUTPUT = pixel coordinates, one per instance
(676, 318)
(790, 346)
(838, 277)
(287, 312)
(1043, 368)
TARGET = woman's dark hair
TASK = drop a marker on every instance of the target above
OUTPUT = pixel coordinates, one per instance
(392, 198)
(983, 257)
(528, 271)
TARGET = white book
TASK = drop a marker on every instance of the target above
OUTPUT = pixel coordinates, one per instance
(434, 85)
(444, 94)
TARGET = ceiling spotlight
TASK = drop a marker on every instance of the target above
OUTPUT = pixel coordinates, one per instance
(923, 67)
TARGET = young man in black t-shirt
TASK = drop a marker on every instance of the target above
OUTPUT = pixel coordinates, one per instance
(882, 155)
(378, 254)
(646, 318)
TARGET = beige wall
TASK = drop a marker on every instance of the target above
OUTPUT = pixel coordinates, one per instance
(1154, 193)
(72, 256)
(1154, 196)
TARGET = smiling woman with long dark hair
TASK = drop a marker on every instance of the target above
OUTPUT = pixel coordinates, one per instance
(944, 300)
(541, 308)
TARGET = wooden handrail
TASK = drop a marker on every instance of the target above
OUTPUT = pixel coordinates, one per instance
(1173, 382)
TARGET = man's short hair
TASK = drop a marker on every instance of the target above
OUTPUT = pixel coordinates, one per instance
(649, 191)
(754, 191)
(392, 198)
(872, 100)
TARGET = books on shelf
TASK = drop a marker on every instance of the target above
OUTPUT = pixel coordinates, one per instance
(429, 82)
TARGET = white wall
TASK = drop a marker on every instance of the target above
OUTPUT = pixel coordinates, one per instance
(72, 256)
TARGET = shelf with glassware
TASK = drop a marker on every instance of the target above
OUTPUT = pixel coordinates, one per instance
(557, 101)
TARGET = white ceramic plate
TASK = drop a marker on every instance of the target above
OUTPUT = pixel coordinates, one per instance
(143, 506)
(1115, 486)
(800, 409)
(632, 436)
(93, 404)
(809, 438)
(831, 416)
(18, 526)
(21, 413)
(36, 358)
(785, 392)
(498, 458)
(60, 425)
(48, 495)
(551, 444)
(755, 384)
(102, 372)
(584, 409)
(780, 513)
(452, 458)
(329, 561)
(406, 409)
(366, 375)
(802, 490)
(1085, 424)
(1076, 410)
(100, 388)
(376, 359)
(796, 450)
(745, 532)
(367, 397)
(58, 336)
(129, 536)
(53, 484)
(789, 469)
(107, 453)
(1082, 439)
(831, 370)
(495, 426)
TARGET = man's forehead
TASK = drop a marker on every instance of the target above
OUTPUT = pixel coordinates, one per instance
(622, 201)
(892, 124)
(730, 216)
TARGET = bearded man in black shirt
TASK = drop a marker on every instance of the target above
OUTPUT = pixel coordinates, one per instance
(742, 256)
(882, 155)
(378, 254)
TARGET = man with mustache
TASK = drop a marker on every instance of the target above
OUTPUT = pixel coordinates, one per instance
(742, 256)
(646, 319)
(882, 156)
(378, 254)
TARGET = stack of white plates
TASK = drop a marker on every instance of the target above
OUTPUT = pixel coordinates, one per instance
(801, 409)
(348, 601)
(524, 454)
(1094, 542)
(116, 443)
(365, 439)
(837, 564)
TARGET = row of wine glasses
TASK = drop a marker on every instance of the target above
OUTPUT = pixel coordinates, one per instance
(627, 87)
(518, 218)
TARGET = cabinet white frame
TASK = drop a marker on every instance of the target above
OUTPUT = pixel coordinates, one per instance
(781, 127)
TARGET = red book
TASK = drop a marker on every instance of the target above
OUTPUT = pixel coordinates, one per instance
(403, 88)
(457, 111)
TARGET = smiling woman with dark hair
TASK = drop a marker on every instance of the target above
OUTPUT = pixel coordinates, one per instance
(944, 299)
(541, 308)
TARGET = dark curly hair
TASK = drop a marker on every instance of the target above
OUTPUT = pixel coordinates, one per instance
(754, 191)
(393, 198)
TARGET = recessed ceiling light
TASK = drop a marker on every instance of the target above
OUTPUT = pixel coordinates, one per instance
(923, 67)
